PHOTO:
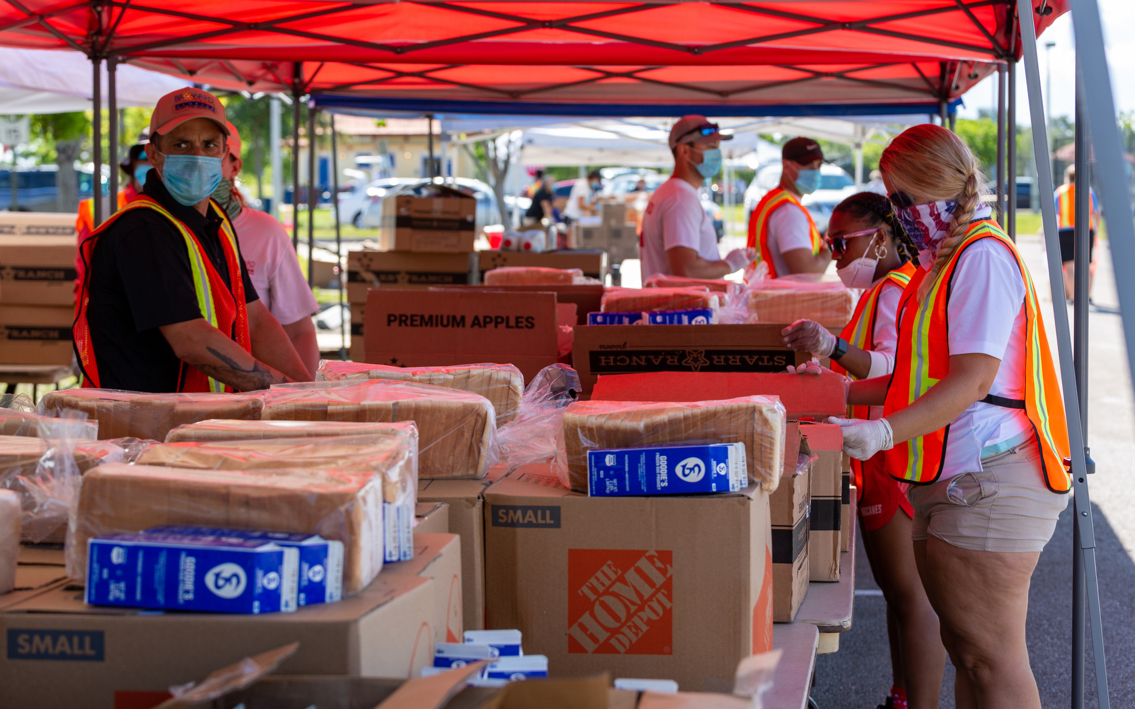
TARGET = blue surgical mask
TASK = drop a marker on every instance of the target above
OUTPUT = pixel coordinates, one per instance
(596, 186)
(140, 174)
(807, 181)
(191, 178)
(710, 164)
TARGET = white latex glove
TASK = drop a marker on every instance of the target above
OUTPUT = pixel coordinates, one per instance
(810, 337)
(863, 439)
(810, 367)
(739, 258)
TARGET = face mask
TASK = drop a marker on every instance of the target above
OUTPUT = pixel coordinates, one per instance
(860, 273)
(596, 186)
(710, 164)
(928, 223)
(223, 196)
(807, 181)
(190, 178)
(140, 174)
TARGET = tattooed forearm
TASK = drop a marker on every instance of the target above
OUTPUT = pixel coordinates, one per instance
(258, 376)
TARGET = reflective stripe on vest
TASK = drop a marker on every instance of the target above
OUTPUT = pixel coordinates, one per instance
(86, 216)
(223, 308)
(923, 359)
(758, 224)
(1066, 207)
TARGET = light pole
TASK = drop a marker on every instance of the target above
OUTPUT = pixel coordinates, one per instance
(1048, 107)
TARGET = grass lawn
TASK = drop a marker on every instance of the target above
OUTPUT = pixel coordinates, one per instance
(325, 226)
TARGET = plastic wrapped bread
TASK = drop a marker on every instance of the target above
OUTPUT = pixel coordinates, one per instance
(456, 429)
(649, 300)
(715, 285)
(123, 414)
(532, 276)
(393, 457)
(756, 421)
(501, 384)
(786, 300)
(26, 423)
(236, 430)
(343, 506)
(9, 539)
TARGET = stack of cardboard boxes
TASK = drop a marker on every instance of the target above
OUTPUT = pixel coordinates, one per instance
(37, 277)
(614, 231)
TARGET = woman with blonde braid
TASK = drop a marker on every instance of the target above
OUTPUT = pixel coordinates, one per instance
(875, 254)
(972, 417)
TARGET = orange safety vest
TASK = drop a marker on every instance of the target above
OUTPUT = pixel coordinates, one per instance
(923, 359)
(85, 224)
(758, 224)
(1066, 207)
(224, 308)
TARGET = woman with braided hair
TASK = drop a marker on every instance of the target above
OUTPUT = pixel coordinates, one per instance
(972, 417)
(875, 254)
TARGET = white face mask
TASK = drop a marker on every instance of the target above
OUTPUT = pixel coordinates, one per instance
(860, 273)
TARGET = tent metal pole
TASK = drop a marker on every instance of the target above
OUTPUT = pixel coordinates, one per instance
(96, 138)
(297, 83)
(112, 130)
(340, 266)
(276, 159)
(942, 109)
(1011, 161)
(1001, 143)
(312, 195)
(954, 122)
(1083, 509)
(430, 173)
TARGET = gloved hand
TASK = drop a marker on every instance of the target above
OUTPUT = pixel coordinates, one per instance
(863, 439)
(810, 337)
(739, 258)
(810, 367)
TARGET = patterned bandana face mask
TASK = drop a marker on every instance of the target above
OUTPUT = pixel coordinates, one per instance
(927, 224)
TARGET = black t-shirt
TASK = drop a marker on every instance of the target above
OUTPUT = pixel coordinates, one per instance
(140, 280)
(536, 210)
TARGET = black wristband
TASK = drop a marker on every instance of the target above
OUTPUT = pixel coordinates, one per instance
(839, 350)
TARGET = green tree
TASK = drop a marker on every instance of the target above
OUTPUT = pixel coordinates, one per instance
(981, 137)
(68, 132)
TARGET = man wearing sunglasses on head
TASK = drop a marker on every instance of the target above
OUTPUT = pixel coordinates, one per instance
(678, 238)
(780, 225)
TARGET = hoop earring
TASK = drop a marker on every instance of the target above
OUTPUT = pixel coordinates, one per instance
(881, 251)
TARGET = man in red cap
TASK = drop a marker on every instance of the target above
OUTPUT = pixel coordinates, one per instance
(781, 226)
(166, 304)
(678, 238)
(270, 259)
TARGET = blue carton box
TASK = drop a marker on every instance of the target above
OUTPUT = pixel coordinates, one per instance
(461, 654)
(517, 668)
(614, 318)
(696, 316)
(320, 560)
(505, 643)
(667, 470)
(188, 573)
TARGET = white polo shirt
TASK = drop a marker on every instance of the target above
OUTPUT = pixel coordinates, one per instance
(273, 267)
(674, 217)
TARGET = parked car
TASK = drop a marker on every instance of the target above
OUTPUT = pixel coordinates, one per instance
(835, 186)
(488, 214)
(353, 202)
(37, 190)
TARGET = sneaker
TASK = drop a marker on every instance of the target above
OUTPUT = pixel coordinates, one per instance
(888, 704)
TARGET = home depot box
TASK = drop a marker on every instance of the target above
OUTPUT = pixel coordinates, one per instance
(34, 334)
(429, 328)
(465, 499)
(407, 270)
(845, 505)
(675, 587)
(587, 297)
(37, 270)
(632, 349)
(37, 224)
(592, 262)
(428, 218)
(789, 513)
(438, 557)
(825, 442)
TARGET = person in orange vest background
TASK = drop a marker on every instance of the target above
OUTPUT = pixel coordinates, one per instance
(972, 417)
(780, 226)
(166, 303)
(134, 167)
(1066, 223)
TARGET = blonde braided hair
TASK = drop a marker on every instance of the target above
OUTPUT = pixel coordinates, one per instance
(930, 163)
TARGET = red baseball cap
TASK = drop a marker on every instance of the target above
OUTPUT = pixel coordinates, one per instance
(183, 105)
(234, 140)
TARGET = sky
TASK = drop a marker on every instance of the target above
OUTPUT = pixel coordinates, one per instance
(1119, 35)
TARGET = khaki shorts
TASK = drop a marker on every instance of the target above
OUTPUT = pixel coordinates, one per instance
(1004, 508)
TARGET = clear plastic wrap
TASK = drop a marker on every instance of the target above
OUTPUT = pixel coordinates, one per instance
(9, 539)
(532, 436)
(646, 300)
(456, 429)
(231, 430)
(123, 414)
(501, 384)
(757, 421)
(715, 285)
(393, 457)
(532, 276)
(788, 299)
(26, 423)
(343, 506)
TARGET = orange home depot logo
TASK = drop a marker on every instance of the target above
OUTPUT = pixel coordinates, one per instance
(620, 602)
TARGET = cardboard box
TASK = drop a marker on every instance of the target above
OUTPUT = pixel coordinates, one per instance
(438, 557)
(845, 505)
(826, 488)
(431, 328)
(407, 270)
(431, 518)
(33, 334)
(675, 587)
(37, 224)
(592, 262)
(790, 508)
(37, 270)
(633, 349)
(444, 220)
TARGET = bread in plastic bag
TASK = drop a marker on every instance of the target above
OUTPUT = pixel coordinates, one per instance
(393, 457)
(9, 539)
(716, 285)
(531, 276)
(788, 299)
(26, 423)
(344, 506)
(647, 300)
(235, 430)
(123, 414)
(532, 436)
(501, 384)
(456, 429)
(757, 421)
